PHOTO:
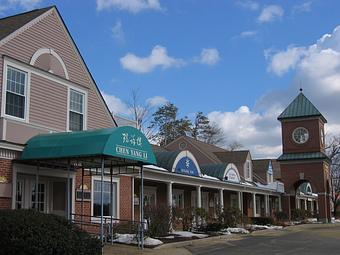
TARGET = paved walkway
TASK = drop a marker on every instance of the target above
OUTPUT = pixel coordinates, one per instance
(310, 239)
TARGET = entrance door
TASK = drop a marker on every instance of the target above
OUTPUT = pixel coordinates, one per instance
(40, 202)
(59, 198)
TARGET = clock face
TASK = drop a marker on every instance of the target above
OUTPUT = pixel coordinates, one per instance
(300, 135)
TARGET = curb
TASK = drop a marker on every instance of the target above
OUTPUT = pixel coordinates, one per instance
(191, 242)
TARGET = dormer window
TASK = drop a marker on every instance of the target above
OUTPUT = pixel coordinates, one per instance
(247, 174)
(270, 178)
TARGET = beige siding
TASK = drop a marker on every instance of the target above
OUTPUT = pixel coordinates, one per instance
(48, 99)
(48, 103)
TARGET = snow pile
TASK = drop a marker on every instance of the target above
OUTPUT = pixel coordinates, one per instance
(131, 239)
(312, 220)
(262, 227)
(237, 231)
(335, 220)
(209, 177)
(189, 234)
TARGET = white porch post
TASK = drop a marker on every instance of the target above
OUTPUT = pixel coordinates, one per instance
(266, 204)
(221, 200)
(240, 201)
(312, 206)
(169, 194)
(305, 204)
(254, 204)
(199, 200)
(280, 204)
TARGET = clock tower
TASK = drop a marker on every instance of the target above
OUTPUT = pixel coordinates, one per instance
(303, 161)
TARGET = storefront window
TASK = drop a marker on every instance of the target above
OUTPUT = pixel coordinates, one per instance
(110, 207)
(178, 198)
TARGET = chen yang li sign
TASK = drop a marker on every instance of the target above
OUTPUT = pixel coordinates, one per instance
(186, 166)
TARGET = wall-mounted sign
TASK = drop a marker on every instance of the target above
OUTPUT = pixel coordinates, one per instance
(186, 166)
(3, 179)
(232, 176)
(83, 196)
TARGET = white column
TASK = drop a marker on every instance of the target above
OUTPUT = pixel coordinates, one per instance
(280, 204)
(169, 194)
(306, 204)
(198, 196)
(240, 201)
(312, 206)
(254, 205)
(221, 200)
(266, 205)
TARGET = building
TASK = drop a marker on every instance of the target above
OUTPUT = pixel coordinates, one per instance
(62, 152)
(304, 164)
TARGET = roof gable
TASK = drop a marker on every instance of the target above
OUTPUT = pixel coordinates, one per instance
(301, 107)
(10, 24)
(233, 156)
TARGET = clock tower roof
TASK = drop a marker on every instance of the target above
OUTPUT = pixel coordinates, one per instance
(301, 107)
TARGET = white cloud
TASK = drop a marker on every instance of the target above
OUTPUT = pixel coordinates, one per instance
(270, 13)
(115, 104)
(283, 61)
(22, 4)
(156, 101)
(157, 58)
(259, 132)
(248, 33)
(133, 6)
(248, 4)
(208, 57)
(118, 32)
(304, 7)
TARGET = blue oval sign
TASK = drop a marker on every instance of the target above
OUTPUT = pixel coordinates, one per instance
(186, 166)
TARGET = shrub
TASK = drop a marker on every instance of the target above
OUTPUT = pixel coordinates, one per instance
(281, 216)
(263, 220)
(31, 232)
(200, 216)
(230, 217)
(186, 216)
(158, 220)
(213, 227)
(300, 214)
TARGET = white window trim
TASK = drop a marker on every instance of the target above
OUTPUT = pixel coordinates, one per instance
(84, 107)
(250, 170)
(42, 51)
(150, 190)
(106, 179)
(4, 91)
(178, 192)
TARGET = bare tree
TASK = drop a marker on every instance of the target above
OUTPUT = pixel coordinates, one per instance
(333, 152)
(141, 112)
(234, 145)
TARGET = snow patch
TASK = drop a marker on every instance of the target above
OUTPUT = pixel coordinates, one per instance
(131, 239)
(262, 227)
(189, 234)
(209, 177)
(237, 231)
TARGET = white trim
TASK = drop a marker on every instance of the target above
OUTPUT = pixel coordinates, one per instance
(84, 107)
(25, 27)
(52, 52)
(106, 179)
(188, 154)
(26, 92)
(10, 146)
(230, 167)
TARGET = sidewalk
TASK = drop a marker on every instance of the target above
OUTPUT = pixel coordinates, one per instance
(176, 248)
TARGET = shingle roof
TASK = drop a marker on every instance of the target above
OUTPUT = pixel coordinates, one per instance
(10, 24)
(233, 156)
(261, 165)
(302, 156)
(214, 170)
(300, 107)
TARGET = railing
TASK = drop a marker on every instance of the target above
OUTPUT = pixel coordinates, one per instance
(112, 226)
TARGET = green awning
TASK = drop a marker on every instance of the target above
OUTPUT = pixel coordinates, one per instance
(122, 142)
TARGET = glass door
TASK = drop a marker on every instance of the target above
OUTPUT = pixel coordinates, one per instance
(40, 202)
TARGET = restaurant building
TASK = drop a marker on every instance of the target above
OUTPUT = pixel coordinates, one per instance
(62, 152)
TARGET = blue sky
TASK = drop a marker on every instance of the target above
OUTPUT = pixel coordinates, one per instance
(240, 62)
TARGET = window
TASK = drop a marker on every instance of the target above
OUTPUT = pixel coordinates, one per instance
(248, 170)
(16, 92)
(150, 196)
(178, 198)
(110, 204)
(76, 118)
(41, 201)
(20, 195)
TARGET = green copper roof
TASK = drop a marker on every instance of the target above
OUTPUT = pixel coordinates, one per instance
(166, 159)
(301, 107)
(122, 142)
(302, 156)
(214, 170)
